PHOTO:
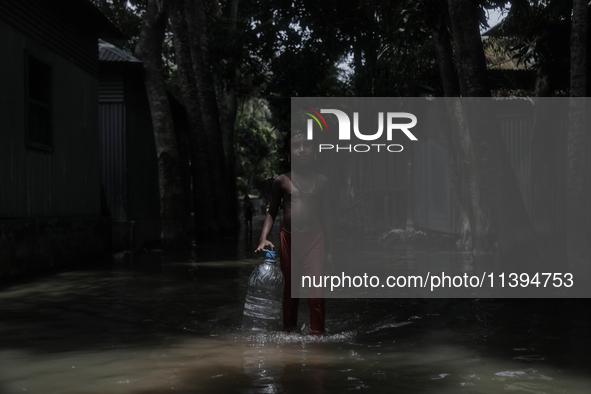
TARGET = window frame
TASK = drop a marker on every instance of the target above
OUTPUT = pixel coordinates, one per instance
(31, 142)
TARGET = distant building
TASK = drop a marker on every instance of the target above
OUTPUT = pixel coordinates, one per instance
(50, 192)
(508, 76)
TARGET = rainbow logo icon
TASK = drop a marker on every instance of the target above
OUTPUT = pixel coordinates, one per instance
(315, 117)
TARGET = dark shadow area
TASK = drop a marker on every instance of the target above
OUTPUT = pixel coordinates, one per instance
(134, 304)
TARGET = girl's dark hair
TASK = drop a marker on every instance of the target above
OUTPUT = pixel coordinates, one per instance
(296, 133)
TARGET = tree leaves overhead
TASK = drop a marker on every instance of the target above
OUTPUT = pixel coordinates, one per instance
(350, 47)
(127, 15)
(540, 32)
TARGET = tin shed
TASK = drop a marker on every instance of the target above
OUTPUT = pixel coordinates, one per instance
(50, 205)
(129, 167)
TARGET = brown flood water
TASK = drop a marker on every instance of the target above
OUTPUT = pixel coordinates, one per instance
(156, 324)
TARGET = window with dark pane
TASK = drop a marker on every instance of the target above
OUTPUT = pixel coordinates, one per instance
(38, 81)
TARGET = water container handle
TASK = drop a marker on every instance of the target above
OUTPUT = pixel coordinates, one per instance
(270, 256)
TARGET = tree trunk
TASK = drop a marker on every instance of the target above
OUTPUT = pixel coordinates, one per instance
(453, 150)
(577, 205)
(228, 102)
(205, 223)
(225, 209)
(230, 142)
(231, 106)
(444, 51)
(470, 61)
(508, 216)
(172, 198)
(358, 66)
(451, 88)
(471, 178)
(578, 50)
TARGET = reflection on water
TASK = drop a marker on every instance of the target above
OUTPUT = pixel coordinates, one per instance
(157, 323)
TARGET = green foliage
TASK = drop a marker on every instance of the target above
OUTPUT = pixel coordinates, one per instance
(126, 15)
(258, 156)
(278, 49)
(540, 35)
(396, 57)
(298, 46)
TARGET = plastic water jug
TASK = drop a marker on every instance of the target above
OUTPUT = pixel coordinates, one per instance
(264, 297)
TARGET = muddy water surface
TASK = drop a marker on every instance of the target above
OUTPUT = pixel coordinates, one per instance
(154, 323)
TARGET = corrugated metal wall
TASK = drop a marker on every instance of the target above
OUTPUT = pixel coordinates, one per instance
(589, 183)
(112, 120)
(142, 167)
(128, 152)
(13, 182)
(375, 188)
(432, 185)
(433, 206)
(560, 179)
(48, 24)
(135, 91)
(113, 157)
(435, 209)
(516, 131)
(110, 86)
(35, 183)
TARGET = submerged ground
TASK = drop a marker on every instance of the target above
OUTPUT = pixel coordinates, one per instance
(157, 323)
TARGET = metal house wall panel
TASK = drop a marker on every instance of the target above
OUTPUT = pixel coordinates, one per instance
(13, 201)
(64, 181)
(46, 23)
(588, 183)
(432, 193)
(516, 131)
(110, 87)
(113, 158)
(130, 173)
(142, 168)
(135, 92)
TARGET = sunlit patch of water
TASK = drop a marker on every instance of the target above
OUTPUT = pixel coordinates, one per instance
(385, 325)
(279, 337)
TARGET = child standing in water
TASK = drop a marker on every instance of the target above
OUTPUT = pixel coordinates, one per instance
(305, 197)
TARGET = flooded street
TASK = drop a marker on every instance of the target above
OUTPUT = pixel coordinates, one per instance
(154, 323)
